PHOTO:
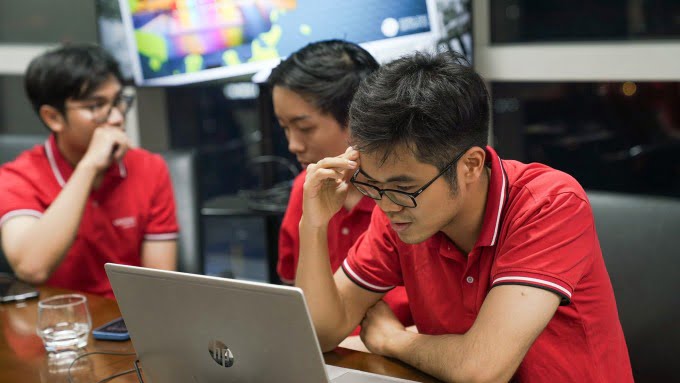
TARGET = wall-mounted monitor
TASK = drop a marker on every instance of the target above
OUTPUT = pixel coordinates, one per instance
(455, 18)
(172, 42)
(112, 35)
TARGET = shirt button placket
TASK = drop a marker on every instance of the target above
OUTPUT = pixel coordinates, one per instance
(470, 290)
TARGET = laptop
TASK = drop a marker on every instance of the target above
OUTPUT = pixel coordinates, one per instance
(201, 329)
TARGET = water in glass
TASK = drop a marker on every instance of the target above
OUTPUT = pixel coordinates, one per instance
(64, 322)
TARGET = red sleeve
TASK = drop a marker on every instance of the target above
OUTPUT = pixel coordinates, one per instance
(289, 234)
(548, 245)
(162, 223)
(397, 299)
(373, 261)
(18, 195)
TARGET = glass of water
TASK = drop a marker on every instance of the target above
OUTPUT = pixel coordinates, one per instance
(64, 322)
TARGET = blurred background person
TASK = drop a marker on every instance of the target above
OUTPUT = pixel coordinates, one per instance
(85, 197)
(311, 92)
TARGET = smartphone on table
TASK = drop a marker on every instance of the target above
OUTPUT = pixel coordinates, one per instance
(14, 290)
(114, 330)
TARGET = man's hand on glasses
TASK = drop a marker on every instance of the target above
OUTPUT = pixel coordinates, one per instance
(326, 187)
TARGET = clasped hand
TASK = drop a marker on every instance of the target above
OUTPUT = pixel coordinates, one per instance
(380, 328)
(108, 144)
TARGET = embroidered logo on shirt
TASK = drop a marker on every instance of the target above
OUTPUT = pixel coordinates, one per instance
(125, 222)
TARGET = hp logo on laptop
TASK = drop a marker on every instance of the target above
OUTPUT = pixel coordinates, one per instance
(220, 353)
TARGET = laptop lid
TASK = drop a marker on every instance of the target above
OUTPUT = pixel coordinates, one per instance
(195, 328)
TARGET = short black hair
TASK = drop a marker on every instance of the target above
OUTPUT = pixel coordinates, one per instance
(434, 104)
(326, 74)
(70, 71)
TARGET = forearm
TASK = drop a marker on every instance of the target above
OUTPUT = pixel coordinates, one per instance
(41, 247)
(510, 320)
(159, 255)
(315, 277)
(450, 358)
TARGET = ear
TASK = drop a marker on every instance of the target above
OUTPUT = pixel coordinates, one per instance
(473, 164)
(52, 118)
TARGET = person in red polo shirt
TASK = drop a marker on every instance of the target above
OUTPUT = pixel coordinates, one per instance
(500, 259)
(311, 93)
(85, 197)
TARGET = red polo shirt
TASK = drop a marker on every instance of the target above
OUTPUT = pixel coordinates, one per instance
(133, 204)
(538, 230)
(343, 230)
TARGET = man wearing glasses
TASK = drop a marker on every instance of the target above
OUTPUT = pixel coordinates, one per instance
(500, 259)
(85, 197)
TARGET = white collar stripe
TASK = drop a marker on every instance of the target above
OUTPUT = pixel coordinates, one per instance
(533, 280)
(122, 169)
(53, 164)
(500, 203)
(347, 268)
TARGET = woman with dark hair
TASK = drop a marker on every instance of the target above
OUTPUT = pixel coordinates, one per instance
(312, 90)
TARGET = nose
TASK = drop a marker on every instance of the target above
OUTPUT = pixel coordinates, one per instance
(295, 144)
(116, 118)
(388, 206)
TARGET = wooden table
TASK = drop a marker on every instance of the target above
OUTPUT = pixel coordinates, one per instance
(23, 358)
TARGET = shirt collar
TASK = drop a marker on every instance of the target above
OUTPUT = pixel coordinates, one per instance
(62, 169)
(495, 200)
(493, 213)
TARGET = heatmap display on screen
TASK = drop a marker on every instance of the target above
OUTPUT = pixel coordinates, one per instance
(175, 42)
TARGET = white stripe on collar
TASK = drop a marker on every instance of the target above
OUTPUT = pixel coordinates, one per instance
(500, 203)
(121, 169)
(57, 174)
(53, 164)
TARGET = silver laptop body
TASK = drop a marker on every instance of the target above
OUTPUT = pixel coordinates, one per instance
(195, 328)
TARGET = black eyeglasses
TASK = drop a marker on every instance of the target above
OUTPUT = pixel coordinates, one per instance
(101, 110)
(399, 197)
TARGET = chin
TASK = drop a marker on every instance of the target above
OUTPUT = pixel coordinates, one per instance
(413, 237)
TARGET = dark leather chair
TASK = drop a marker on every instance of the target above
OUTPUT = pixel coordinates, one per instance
(639, 240)
(184, 174)
(11, 145)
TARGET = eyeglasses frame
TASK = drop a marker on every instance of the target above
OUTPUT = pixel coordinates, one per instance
(412, 195)
(121, 99)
